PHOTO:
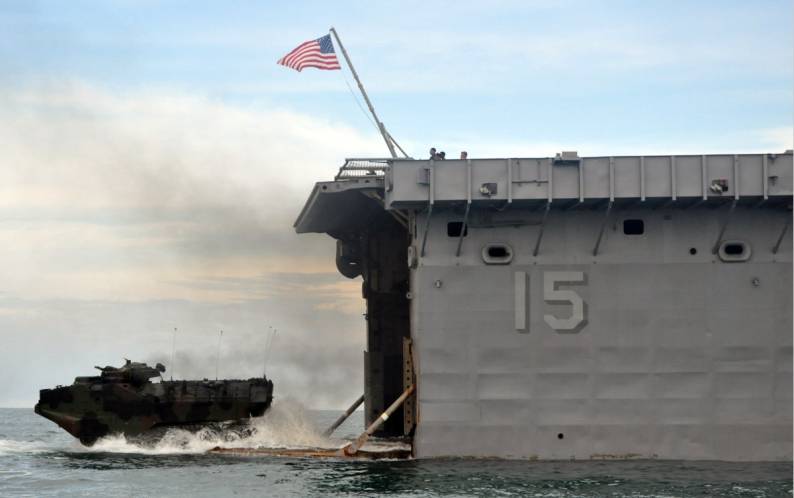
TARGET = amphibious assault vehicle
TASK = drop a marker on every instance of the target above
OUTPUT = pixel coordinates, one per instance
(125, 401)
(573, 307)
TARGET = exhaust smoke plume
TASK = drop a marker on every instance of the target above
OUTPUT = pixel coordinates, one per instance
(126, 215)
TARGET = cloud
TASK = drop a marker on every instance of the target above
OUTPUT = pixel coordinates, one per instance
(152, 149)
(776, 139)
(509, 61)
(158, 186)
(125, 214)
(746, 141)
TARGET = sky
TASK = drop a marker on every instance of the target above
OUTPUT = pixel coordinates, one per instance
(153, 156)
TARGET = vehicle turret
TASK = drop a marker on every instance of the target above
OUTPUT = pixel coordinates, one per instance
(133, 372)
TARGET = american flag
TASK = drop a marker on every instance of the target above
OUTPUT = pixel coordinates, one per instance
(317, 53)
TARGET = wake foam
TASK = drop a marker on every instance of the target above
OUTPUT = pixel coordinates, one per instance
(10, 446)
(285, 425)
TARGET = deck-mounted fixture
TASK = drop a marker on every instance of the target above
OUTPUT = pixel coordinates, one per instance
(723, 227)
(430, 201)
(542, 226)
(601, 232)
(782, 234)
(468, 208)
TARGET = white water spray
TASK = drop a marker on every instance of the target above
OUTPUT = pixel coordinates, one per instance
(285, 425)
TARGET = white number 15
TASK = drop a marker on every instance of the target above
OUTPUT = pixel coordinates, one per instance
(553, 295)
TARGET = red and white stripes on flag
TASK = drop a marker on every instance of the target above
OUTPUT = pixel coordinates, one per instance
(317, 53)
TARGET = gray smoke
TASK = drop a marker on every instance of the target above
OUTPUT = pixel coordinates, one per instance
(129, 215)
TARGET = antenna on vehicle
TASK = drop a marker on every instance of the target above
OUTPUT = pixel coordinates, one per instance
(267, 346)
(173, 352)
(218, 356)
(268, 342)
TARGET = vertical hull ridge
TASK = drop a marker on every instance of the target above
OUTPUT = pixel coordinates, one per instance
(593, 308)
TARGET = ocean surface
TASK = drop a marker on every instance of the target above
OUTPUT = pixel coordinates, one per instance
(39, 459)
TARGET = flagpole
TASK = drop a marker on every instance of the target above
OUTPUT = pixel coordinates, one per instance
(383, 132)
(397, 145)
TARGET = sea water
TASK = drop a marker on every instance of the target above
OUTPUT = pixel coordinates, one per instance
(39, 459)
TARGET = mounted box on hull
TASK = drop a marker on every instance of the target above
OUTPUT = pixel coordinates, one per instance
(608, 307)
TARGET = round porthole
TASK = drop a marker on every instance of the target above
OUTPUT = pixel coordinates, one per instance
(497, 254)
(734, 251)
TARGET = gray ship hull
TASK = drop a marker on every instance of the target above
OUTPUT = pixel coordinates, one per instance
(677, 355)
(574, 308)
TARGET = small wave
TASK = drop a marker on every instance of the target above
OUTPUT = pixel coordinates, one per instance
(10, 446)
(285, 425)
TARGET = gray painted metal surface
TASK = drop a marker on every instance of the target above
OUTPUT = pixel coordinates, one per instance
(645, 350)
(627, 177)
(545, 326)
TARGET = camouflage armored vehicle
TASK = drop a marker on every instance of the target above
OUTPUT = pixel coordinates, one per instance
(125, 400)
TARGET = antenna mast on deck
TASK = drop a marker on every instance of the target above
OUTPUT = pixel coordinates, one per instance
(218, 357)
(390, 142)
(173, 352)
